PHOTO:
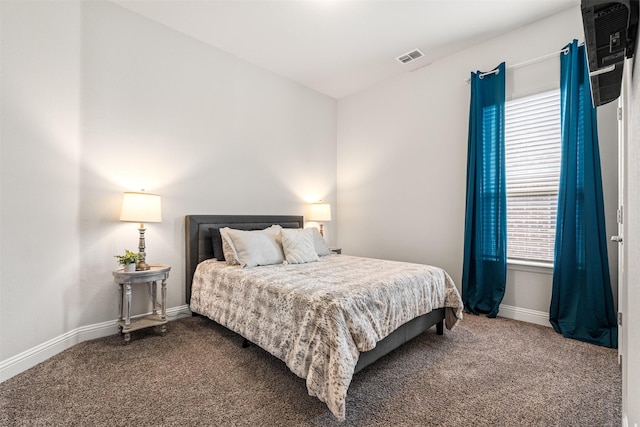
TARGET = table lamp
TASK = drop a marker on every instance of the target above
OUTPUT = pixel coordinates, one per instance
(141, 207)
(320, 212)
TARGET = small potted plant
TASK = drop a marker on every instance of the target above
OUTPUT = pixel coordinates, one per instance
(128, 260)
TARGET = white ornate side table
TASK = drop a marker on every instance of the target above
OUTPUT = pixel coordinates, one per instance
(152, 276)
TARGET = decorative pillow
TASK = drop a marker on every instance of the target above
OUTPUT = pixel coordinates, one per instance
(216, 241)
(252, 248)
(318, 242)
(298, 245)
(228, 251)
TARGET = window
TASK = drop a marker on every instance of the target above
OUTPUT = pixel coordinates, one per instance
(532, 157)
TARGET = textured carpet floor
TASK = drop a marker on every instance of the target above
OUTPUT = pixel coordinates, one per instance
(486, 372)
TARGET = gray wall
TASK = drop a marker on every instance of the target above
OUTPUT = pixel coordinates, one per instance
(402, 148)
(97, 100)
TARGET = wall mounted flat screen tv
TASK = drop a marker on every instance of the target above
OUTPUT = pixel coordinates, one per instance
(610, 32)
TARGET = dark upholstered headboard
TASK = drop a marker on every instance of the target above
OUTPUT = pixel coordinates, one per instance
(198, 238)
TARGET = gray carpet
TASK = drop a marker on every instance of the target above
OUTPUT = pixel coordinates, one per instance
(486, 372)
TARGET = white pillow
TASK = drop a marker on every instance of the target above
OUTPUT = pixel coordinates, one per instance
(229, 252)
(252, 248)
(298, 245)
(318, 243)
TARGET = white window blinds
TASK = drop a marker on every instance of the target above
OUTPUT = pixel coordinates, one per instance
(533, 151)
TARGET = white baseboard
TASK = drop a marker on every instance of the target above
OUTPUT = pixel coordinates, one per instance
(524, 314)
(29, 358)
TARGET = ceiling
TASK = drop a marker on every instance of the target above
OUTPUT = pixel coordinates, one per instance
(339, 47)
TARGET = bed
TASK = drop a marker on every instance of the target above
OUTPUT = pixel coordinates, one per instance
(326, 319)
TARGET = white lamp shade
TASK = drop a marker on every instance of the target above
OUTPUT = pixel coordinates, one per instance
(141, 207)
(320, 212)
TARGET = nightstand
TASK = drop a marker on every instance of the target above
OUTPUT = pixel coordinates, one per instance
(125, 281)
(336, 250)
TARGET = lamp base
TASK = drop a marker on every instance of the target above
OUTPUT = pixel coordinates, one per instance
(141, 265)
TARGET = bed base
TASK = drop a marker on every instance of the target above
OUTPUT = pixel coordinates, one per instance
(400, 336)
(199, 248)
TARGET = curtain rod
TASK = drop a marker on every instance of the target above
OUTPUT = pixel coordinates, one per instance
(524, 63)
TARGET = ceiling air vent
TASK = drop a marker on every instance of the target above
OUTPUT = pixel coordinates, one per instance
(410, 56)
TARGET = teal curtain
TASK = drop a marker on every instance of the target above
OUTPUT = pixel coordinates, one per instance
(581, 301)
(485, 241)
